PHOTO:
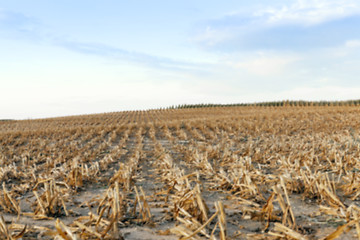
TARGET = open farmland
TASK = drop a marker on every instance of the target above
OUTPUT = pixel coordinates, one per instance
(206, 173)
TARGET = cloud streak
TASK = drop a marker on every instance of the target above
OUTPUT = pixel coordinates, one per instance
(266, 66)
(302, 25)
(19, 26)
(306, 12)
(106, 51)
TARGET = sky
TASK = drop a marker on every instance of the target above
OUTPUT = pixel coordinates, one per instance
(60, 58)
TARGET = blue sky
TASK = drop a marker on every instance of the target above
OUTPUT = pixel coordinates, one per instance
(75, 57)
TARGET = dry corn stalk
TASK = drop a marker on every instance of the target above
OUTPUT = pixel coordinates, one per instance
(288, 218)
(92, 227)
(63, 231)
(10, 172)
(171, 174)
(239, 179)
(319, 185)
(185, 230)
(6, 232)
(267, 210)
(8, 203)
(51, 202)
(221, 219)
(144, 214)
(344, 228)
(112, 206)
(288, 215)
(193, 203)
(75, 177)
(190, 227)
(289, 233)
(125, 175)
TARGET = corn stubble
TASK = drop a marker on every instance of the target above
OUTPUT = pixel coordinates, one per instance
(214, 173)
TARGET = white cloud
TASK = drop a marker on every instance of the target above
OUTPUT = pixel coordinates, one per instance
(352, 43)
(212, 36)
(102, 97)
(327, 93)
(310, 12)
(323, 80)
(266, 65)
(331, 93)
(346, 49)
(268, 27)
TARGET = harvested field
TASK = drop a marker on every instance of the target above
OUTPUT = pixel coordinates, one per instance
(206, 173)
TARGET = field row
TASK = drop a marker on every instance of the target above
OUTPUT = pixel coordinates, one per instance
(213, 173)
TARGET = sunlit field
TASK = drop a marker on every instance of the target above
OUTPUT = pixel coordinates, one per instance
(241, 172)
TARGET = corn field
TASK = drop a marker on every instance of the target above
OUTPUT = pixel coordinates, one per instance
(240, 172)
